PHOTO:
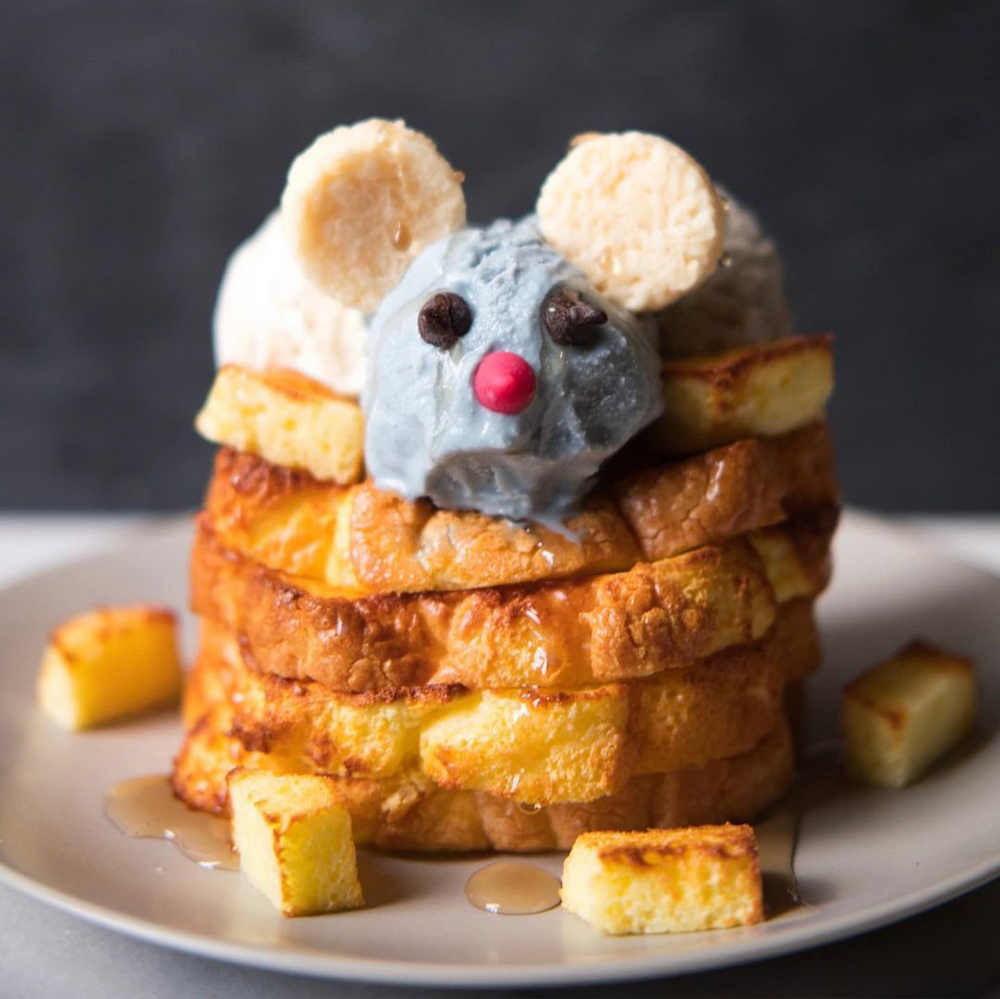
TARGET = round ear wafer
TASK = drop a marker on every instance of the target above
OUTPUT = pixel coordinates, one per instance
(362, 201)
(637, 214)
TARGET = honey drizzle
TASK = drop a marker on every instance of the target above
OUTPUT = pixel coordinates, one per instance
(777, 836)
(777, 833)
(146, 808)
(512, 888)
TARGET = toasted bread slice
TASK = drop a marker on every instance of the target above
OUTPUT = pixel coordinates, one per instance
(224, 666)
(656, 616)
(529, 744)
(287, 419)
(110, 663)
(294, 840)
(412, 813)
(899, 717)
(372, 541)
(757, 391)
(729, 490)
(665, 880)
(763, 390)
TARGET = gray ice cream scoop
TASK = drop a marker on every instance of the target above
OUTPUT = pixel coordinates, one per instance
(498, 379)
(742, 302)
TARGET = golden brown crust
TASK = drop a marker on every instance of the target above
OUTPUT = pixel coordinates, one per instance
(373, 541)
(294, 385)
(411, 814)
(757, 390)
(223, 664)
(288, 419)
(656, 616)
(729, 369)
(96, 626)
(641, 849)
(537, 745)
(728, 491)
(399, 546)
(206, 684)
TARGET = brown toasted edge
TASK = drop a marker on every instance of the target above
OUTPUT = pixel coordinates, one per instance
(729, 367)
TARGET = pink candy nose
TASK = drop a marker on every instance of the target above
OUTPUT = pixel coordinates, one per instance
(504, 382)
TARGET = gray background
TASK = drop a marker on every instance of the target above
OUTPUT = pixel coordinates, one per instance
(141, 140)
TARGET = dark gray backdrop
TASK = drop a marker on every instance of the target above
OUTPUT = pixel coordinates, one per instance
(141, 140)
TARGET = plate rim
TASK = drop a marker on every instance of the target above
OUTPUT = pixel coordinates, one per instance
(796, 939)
(799, 935)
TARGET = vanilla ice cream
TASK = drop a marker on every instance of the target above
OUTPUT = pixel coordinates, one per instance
(268, 316)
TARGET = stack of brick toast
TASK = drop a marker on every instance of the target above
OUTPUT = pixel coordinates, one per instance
(476, 683)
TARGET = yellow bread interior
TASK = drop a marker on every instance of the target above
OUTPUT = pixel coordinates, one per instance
(900, 716)
(536, 746)
(294, 840)
(287, 419)
(110, 663)
(755, 391)
(411, 812)
(665, 880)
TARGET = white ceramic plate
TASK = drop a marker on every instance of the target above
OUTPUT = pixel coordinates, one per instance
(865, 857)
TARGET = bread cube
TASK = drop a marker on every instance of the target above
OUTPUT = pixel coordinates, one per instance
(665, 880)
(287, 419)
(759, 390)
(903, 714)
(109, 663)
(295, 841)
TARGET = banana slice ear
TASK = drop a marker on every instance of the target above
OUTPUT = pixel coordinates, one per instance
(636, 214)
(362, 201)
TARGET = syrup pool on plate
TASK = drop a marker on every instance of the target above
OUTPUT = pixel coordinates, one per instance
(513, 888)
(776, 839)
(145, 807)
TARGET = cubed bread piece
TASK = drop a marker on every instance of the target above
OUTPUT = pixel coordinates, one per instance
(760, 390)
(665, 880)
(287, 419)
(108, 663)
(295, 841)
(901, 715)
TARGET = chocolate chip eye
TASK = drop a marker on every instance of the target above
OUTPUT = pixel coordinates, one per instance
(569, 320)
(443, 319)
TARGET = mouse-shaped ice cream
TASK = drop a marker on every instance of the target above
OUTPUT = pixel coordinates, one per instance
(499, 379)
(505, 363)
